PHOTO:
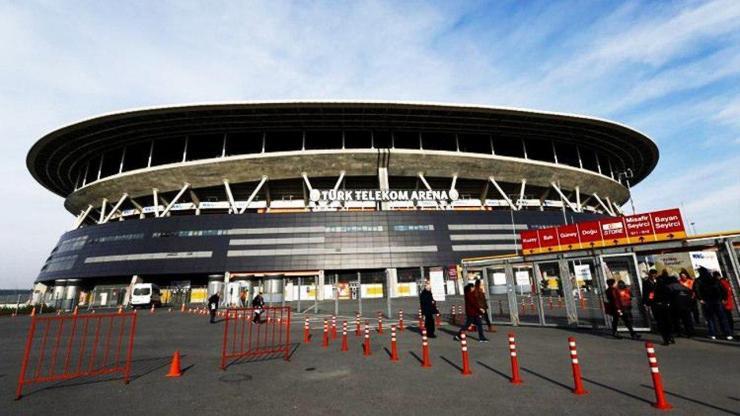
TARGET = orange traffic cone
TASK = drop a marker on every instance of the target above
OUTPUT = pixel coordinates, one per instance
(175, 370)
(33, 311)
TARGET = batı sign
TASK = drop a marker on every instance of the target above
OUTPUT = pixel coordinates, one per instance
(376, 195)
(608, 232)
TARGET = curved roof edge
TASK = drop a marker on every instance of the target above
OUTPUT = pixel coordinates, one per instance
(51, 135)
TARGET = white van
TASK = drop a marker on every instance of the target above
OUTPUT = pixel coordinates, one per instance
(146, 295)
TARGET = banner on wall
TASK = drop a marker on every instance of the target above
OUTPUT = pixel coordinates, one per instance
(608, 232)
(436, 279)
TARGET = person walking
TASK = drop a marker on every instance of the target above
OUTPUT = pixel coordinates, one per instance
(213, 306)
(619, 306)
(711, 296)
(472, 314)
(648, 292)
(428, 308)
(661, 304)
(681, 299)
(688, 282)
(480, 294)
(729, 302)
(258, 304)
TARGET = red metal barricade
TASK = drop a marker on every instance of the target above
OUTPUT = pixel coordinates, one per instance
(64, 347)
(250, 332)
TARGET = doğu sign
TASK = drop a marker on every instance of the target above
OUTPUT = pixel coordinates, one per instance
(609, 232)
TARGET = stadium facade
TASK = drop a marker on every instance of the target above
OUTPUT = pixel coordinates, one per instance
(308, 194)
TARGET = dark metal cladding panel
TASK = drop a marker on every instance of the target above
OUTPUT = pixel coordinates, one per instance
(285, 242)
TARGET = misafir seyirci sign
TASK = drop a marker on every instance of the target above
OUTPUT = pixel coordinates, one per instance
(609, 232)
(376, 195)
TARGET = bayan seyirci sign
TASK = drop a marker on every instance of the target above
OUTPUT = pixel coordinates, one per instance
(608, 232)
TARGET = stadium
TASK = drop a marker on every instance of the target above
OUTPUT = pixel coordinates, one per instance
(316, 200)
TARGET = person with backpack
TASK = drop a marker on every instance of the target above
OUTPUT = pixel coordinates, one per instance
(258, 304)
(213, 306)
(711, 296)
(680, 309)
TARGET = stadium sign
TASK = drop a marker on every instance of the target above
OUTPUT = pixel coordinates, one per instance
(631, 229)
(376, 195)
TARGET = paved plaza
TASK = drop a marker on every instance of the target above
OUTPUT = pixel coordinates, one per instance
(700, 376)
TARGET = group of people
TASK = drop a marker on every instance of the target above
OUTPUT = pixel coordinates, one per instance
(476, 310)
(674, 303)
(258, 304)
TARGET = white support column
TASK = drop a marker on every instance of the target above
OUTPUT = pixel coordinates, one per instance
(81, 218)
(424, 181)
(454, 182)
(123, 159)
(613, 207)
(230, 196)
(139, 207)
(185, 149)
(339, 180)
(175, 199)
(102, 210)
(223, 147)
(617, 209)
(562, 197)
(308, 183)
(501, 191)
(521, 194)
(254, 194)
(115, 207)
(151, 152)
(578, 199)
(196, 201)
(603, 205)
(155, 197)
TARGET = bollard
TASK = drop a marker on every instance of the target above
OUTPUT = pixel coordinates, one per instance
(333, 327)
(660, 401)
(325, 342)
(400, 320)
(345, 344)
(75, 311)
(583, 302)
(453, 316)
(438, 320)
(515, 378)
(425, 361)
(394, 346)
(577, 382)
(366, 347)
(358, 331)
(182, 308)
(421, 320)
(549, 303)
(465, 359)
(306, 332)
(151, 310)
(380, 323)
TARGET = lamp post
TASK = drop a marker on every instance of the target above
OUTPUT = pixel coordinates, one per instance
(628, 174)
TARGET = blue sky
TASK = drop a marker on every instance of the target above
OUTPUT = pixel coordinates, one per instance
(668, 69)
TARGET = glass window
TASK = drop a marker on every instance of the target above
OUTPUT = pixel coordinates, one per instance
(406, 140)
(539, 149)
(168, 151)
(357, 139)
(111, 163)
(382, 139)
(323, 140)
(508, 146)
(243, 143)
(567, 154)
(205, 146)
(439, 141)
(137, 156)
(284, 141)
(475, 143)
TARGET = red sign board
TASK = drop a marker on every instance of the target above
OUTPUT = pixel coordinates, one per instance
(631, 229)
(530, 242)
(568, 237)
(548, 239)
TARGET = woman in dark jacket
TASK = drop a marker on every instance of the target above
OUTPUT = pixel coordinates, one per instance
(619, 305)
(473, 311)
(428, 309)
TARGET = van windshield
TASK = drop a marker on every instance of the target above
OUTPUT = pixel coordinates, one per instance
(141, 291)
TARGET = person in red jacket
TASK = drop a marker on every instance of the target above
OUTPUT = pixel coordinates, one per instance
(473, 312)
(729, 303)
(619, 305)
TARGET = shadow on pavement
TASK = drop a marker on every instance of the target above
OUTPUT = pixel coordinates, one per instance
(616, 390)
(699, 402)
(416, 356)
(555, 382)
(494, 370)
(450, 362)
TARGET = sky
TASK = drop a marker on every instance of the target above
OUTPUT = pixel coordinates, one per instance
(669, 69)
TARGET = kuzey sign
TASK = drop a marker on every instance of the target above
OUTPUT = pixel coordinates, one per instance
(609, 232)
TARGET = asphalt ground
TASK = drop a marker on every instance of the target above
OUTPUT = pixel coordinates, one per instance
(700, 377)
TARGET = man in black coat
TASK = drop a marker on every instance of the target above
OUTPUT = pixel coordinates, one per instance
(213, 306)
(710, 293)
(428, 308)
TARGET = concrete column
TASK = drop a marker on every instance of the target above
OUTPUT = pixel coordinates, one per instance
(511, 294)
(391, 282)
(71, 293)
(320, 286)
(59, 291)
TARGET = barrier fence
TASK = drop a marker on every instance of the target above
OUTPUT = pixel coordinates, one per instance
(65, 347)
(250, 332)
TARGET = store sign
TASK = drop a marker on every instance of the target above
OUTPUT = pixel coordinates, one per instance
(376, 195)
(608, 232)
